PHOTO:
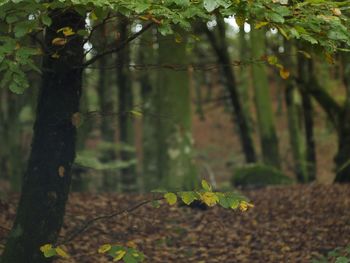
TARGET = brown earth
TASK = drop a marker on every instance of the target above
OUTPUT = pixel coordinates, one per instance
(287, 224)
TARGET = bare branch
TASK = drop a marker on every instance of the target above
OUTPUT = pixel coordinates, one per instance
(119, 47)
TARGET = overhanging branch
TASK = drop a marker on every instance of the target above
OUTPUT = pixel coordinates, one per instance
(119, 47)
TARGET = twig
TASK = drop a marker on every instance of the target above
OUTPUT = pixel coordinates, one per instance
(90, 222)
(119, 47)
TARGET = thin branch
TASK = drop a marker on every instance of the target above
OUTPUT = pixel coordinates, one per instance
(119, 47)
(90, 222)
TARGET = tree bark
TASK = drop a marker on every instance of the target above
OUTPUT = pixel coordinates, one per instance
(125, 101)
(267, 130)
(47, 179)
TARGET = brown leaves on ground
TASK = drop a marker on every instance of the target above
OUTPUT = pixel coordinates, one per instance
(289, 224)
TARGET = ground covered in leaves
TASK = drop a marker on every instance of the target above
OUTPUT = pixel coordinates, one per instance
(287, 224)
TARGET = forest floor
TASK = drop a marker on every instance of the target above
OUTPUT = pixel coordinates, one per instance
(287, 224)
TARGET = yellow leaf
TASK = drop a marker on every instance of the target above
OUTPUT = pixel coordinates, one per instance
(209, 198)
(260, 24)
(45, 248)
(61, 252)
(119, 255)
(93, 15)
(104, 248)
(281, 30)
(178, 38)
(61, 171)
(272, 60)
(206, 186)
(306, 54)
(244, 205)
(136, 113)
(336, 11)
(59, 41)
(284, 73)
(76, 119)
(171, 198)
(55, 56)
(67, 31)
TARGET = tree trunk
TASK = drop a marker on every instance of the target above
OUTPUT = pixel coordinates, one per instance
(305, 69)
(125, 101)
(295, 118)
(173, 161)
(47, 179)
(220, 47)
(263, 102)
(342, 159)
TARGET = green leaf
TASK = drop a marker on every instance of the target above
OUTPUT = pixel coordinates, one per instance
(188, 197)
(206, 186)
(171, 198)
(129, 258)
(210, 5)
(155, 203)
(46, 20)
(342, 260)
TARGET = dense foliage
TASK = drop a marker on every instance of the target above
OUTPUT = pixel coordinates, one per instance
(320, 23)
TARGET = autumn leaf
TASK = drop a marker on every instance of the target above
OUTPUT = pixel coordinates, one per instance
(67, 31)
(59, 41)
(261, 24)
(171, 198)
(76, 119)
(284, 73)
(206, 186)
(209, 198)
(119, 255)
(104, 248)
(61, 171)
(61, 252)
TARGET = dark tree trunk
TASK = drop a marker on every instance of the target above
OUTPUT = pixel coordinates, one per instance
(47, 179)
(221, 50)
(125, 101)
(342, 159)
(305, 68)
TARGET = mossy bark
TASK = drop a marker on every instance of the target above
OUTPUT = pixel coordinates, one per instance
(266, 122)
(47, 179)
(173, 161)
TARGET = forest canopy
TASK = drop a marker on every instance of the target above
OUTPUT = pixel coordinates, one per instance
(319, 24)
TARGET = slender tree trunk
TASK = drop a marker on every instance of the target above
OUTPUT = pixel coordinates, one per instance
(295, 120)
(221, 49)
(263, 102)
(305, 69)
(47, 179)
(342, 158)
(149, 129)
(129, 181)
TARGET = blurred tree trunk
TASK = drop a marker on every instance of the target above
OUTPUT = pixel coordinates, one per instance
(220, 48)
(173, 161)
(128, 175)
(244, 77)
(342, 158)
(304, 74)
(149, 129)
(294, 111)
(263, 102)
(47, 179)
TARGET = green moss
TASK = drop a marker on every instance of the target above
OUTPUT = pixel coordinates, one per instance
(259, 175)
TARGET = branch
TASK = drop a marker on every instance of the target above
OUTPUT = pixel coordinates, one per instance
(90, 222)
(329, 105)
(119, 47)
